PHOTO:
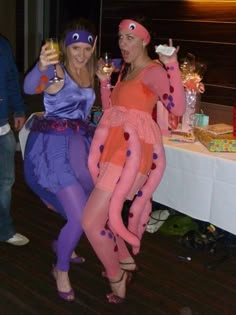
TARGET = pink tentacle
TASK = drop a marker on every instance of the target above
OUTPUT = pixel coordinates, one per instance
(141, 225)
(96, 149)
(139, 216)
(157, 170)
(137, 220)
(124, 185)
(145, 216)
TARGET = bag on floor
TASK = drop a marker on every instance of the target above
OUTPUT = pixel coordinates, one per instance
(178, 225)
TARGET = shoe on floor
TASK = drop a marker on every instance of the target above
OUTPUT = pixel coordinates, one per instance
(18, 240)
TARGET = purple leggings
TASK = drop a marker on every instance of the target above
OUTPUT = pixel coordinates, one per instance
(71, 198)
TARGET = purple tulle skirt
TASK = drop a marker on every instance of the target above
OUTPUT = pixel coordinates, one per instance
(57, 158)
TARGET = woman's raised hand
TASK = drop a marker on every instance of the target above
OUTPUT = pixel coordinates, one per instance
(48, 56)
(102, 75)
(169, 58)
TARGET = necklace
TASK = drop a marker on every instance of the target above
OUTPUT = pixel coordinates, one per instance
(133, 72)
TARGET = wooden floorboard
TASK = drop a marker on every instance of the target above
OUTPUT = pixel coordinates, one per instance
(164, 284)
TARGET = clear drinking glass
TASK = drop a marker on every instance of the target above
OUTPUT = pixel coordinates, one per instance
(54, 44)
(107, 67)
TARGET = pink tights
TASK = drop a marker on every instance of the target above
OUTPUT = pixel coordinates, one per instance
(109, 248)
(99, 234)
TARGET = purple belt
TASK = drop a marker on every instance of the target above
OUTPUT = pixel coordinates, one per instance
(55, 125)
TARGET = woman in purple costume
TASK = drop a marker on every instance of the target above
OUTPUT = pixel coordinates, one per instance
(56, 153)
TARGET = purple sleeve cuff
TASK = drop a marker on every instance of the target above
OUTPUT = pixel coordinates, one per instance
(37, 81)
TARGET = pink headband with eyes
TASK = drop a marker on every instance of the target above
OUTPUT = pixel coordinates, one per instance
(135, 28)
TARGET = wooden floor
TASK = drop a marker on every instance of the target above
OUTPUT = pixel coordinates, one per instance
(164, 285)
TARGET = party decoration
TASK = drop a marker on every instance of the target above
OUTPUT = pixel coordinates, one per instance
(192, 74)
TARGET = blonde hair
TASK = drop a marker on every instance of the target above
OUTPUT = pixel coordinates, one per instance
(83, 25)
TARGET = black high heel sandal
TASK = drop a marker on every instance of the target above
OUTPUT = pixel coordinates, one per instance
(131, 271)
(122, 267)
(114, 298)
(134, 270)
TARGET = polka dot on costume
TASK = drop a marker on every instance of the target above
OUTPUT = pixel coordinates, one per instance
(131, 215)
(103, 232)
(170, 98)
(155, 156)
(40, 88)
(101, 148)
(171, 89)
(165, 96)
(115, 248)
(126, 136)
(169, 106)
(44, 78)
(153, 166)
(140, 193)
(128, 153)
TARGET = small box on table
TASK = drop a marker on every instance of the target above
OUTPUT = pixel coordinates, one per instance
(217, 137)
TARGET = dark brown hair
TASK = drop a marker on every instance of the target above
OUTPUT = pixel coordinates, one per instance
(150, 47)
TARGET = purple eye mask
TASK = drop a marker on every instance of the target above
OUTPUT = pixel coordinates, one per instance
(79, 36)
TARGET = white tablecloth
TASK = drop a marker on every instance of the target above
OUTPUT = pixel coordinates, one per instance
(199, 183)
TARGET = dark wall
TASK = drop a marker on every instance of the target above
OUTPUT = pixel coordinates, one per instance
(20, 35)
(206, 29)
(73, 9)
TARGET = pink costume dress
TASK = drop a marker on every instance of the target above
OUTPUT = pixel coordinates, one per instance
(127, 155)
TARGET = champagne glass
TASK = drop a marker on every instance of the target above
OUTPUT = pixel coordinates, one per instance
(107, 67)
(54, 44)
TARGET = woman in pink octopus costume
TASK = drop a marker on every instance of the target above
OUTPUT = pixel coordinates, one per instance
(127, 158)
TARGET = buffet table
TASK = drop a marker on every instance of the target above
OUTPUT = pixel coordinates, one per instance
(199, 183)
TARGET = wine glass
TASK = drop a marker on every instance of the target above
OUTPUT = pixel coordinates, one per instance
(107, 67)
(54, 44)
